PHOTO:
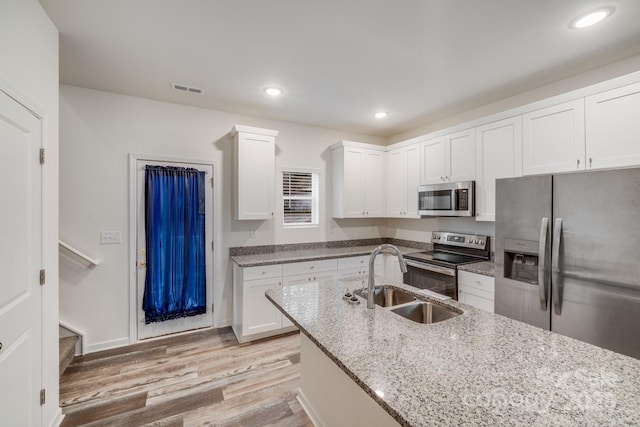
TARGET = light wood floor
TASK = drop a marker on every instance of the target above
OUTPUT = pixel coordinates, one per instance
(200, 379)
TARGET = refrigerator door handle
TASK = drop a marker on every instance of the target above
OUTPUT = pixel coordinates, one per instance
(555, 267)
(543, 285)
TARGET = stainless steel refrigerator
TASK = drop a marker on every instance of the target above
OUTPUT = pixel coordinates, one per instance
(568, 255)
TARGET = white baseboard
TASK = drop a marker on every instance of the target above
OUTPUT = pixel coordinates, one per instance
(57, 420)
(308, 409)
(107, 345)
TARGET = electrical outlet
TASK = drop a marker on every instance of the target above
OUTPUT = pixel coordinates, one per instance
(109, 237)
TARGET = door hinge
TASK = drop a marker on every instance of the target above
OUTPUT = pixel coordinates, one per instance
(42, 156)
(42, 277)
(211, 181)
(43, 397)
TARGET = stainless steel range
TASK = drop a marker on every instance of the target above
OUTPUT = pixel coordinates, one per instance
(437, 270)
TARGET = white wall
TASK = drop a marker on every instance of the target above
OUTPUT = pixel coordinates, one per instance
(98, 130)
(29, 66)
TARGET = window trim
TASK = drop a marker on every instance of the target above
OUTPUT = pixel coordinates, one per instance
(315, 199)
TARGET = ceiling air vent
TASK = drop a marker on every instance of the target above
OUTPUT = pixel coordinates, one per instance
(186, 88)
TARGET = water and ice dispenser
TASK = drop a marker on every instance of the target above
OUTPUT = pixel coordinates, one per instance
(521, 260)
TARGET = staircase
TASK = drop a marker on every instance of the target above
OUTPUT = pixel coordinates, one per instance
(67, 351)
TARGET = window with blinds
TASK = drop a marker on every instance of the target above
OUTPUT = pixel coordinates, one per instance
(300, 198)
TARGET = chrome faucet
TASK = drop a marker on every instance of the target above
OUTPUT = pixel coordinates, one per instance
(385, 247)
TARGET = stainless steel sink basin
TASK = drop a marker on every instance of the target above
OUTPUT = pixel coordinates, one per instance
(425, 312)
(388, 297)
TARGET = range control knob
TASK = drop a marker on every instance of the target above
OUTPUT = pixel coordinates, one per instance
(482, 242)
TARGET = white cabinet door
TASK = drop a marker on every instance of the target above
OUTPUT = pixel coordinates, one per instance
(498, 155)
(613, 126)
(254, 175)
(403, 179)
(432, 161)
(396, 197)
(358, 178)
(476, 290)
(472, 297)
(460, 155)
(553, 139)
(413, 180)
(353, 182)
(260, 315)
(374, 177)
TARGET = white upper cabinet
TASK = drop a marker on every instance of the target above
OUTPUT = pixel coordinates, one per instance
(432, 161)
(613, 128)
(448, 158)
(460, 156)
(403, 178)
(553, 139)
(498, 155)
(358, 181)
(254, 156)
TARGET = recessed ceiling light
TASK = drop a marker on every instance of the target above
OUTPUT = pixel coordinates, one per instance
(273, 91)
(591, 18)
(380, 114)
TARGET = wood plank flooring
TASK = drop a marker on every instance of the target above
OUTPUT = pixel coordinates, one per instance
(204, 378)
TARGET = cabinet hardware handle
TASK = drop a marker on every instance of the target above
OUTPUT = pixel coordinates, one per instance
(578, 164)
(442, 178)
(590, 161)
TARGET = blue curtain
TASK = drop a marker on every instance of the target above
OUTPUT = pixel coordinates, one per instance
(175, 284)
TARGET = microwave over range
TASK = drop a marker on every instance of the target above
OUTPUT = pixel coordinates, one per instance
(447, 199)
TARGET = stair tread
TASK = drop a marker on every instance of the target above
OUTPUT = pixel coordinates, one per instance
(67, 351)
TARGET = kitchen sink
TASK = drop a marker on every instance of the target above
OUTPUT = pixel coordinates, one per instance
(387, 296)
(425, 312)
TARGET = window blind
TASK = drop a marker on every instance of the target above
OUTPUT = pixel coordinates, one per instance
(297, 189)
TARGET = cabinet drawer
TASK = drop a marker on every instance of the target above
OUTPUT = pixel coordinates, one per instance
(262, 272)
(309, 267)
(354, 262)
(478, 281)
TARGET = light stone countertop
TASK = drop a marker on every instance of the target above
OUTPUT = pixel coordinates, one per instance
(475, 369)
(284, 257)
(486, 268)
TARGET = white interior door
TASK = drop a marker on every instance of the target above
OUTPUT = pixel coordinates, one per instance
(185, 323)
(20, 263)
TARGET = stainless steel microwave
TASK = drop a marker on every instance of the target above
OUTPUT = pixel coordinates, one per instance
(447, 199)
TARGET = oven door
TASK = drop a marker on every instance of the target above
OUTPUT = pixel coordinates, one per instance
(432, 277)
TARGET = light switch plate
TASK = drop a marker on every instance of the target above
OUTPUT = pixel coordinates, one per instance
(109, 237)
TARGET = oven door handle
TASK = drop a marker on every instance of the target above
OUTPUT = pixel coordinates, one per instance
(432, 268)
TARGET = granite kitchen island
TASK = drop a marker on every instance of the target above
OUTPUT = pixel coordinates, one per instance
(474, 369)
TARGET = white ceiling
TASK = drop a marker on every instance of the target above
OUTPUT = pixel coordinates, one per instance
(338, 61)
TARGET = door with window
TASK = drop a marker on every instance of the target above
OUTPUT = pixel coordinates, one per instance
(169, 278)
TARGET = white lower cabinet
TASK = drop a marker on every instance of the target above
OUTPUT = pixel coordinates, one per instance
(254, 316)
(476, 290)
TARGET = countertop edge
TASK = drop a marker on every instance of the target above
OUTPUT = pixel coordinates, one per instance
(288, 257)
